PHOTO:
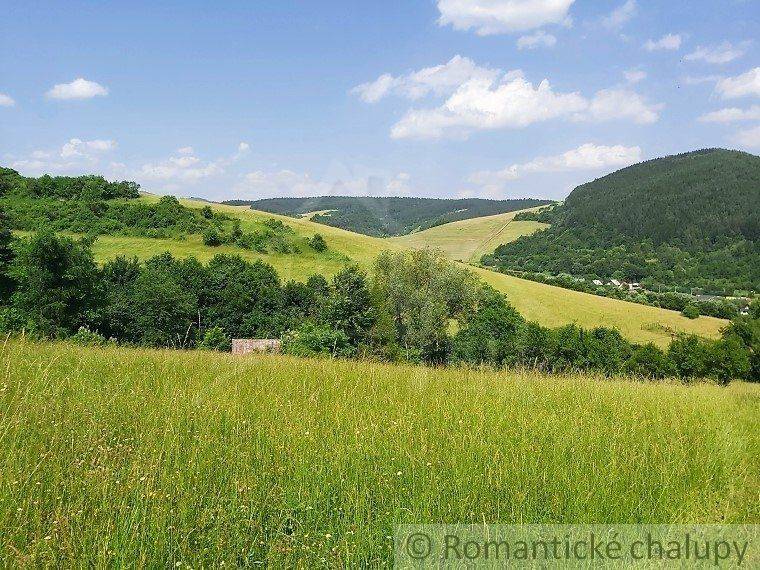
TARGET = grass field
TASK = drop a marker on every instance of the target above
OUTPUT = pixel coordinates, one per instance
(468, 240)
(123, 457)
(550, 306)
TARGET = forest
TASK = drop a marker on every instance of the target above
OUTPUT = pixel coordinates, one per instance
(387, 216)
(687, 221)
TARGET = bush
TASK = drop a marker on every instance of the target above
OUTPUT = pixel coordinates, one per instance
(85, 337)
(690, 311)
(212, 238)
(649, 361)
(215, 339)
(311, 339)
(318, 243)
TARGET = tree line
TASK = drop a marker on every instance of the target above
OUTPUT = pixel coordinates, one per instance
(412, 306)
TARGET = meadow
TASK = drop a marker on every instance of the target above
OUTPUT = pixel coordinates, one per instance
(126, 457)
(468, 240)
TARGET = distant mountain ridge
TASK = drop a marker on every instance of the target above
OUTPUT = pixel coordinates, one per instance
(688, 220)
(387, 216)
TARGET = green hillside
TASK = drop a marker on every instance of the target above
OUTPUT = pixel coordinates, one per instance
(382, 216)
(691, 220)
(175, 225)
(468, 240)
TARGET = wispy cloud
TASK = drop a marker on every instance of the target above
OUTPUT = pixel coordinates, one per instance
(666, 42)
(719, 54)
(588, 156)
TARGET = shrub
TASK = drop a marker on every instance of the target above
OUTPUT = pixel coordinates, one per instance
(312, 339)
(649, 361)
(212, 238)
(318, 243)
(690, 311)
(85, 337)
(215, 339)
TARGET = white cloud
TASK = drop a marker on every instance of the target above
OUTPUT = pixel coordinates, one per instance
(284, 183)
(633, 76)
(187, 167)
(749, 138)
(719, 54)
(586, 157)
(732, 114)
(6, 100)
(481, 104)
(620, 15)
(86, 149)
(75, 156)
(666, 42)
(746, 84)
(78, 89)
(485, 99)
(438, 80)
(488, 17)
(615, 104)
(539, 39)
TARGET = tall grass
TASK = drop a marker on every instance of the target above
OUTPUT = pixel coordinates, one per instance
(155, 458)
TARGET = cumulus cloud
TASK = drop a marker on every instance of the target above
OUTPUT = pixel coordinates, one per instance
(511, 101)
(78, 89)
(620, 15)
(634, 76)
(6, 100)
(186, 150)
(539, 39)
(666, 42)
(287, 183)
(744, 85)
(718, 54)
(731, 115)
(187, 167)
(700, 79)
(588, 156)
(489, 17)
(749, 138)
(437, 80)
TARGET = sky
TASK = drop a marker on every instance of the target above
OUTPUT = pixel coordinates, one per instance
(439, 98)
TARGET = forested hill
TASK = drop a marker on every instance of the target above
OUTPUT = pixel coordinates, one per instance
(387, 216)
(688, 198)
(690, 220)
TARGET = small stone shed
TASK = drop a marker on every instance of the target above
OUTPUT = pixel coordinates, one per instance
(241, 346)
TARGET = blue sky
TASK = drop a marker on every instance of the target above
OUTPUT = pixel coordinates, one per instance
(447, 98)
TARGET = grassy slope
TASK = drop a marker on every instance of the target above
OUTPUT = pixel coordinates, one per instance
(548, 305)
(468, 240)
(223, 454)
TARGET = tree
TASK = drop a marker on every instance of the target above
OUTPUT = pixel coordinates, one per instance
(6, 258)
(348, 307)
(649, 361)
(422, 292)
(688, 354)
(58, 283)
(489, 332)
(318, 243)
(311, 339)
